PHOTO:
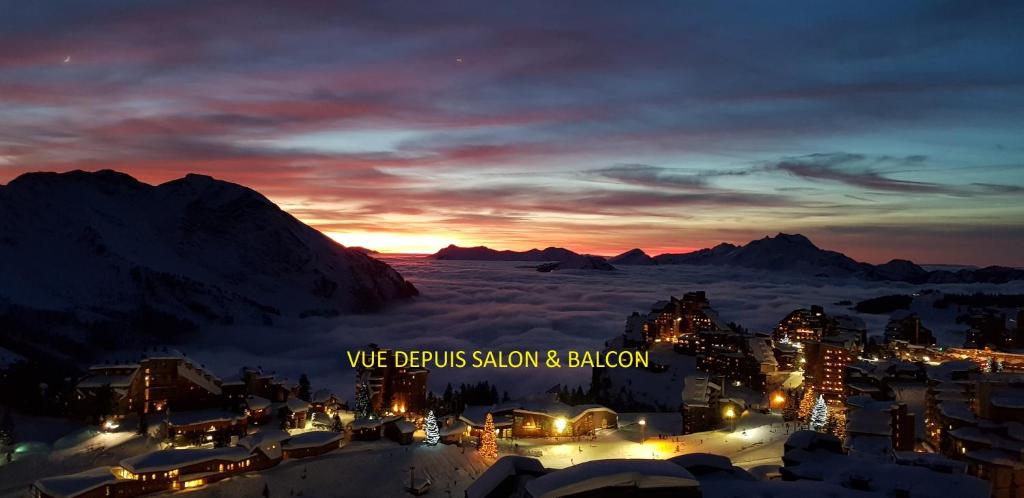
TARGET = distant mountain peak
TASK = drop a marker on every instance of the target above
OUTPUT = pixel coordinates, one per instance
(792, 238)
(634, 256)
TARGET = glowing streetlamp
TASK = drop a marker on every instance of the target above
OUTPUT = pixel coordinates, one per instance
(560, 424)
(730, 415)
(778, 400)
(643, 430)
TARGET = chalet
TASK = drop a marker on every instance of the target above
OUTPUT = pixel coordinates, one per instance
(365, 429)
(257, 409)
(296, 412)
(398, 429)
(204, 426)
(455, 432)
(541, 416)
(324, 401)
(180, 469)
(312, 443)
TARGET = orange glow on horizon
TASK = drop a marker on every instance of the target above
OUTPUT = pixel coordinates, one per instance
(429, 243)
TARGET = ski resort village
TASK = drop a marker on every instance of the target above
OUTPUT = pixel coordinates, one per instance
(812, 407)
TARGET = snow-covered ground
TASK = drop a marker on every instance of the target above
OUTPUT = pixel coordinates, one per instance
(79, 450)
(381, 468)
(757, 440)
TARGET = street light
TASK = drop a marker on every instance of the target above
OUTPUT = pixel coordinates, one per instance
(643, 430)
(778, 400)
(730, 414)
(560, 424)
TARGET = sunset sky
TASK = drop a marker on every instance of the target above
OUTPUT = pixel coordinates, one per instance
(879, 129)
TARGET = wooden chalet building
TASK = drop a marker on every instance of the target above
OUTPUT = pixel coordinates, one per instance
(540, 416)
(180, 469)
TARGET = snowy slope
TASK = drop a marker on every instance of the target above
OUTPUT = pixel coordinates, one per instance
(86, 248)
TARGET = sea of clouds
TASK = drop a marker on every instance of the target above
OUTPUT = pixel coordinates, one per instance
(478, 305)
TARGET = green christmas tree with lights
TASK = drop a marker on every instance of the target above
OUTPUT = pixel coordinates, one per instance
(430, 426)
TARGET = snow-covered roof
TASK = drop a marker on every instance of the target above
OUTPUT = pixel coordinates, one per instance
(604, 474)
(457, 427)
(505, 467)
(958, 411)
(545, 404)
(321, 396)
(95, 381)
(870, 446)
(881, 478)
(313, 439)
(405, 426)
(202, 417)
(297, 405)
(697, 390)
(257, 403)
(475, 415)
(995, 457)
(973, 434)
(365, 423)
(162, 460)
(76, 484)
(869, 421)
(691, 461)
(262, 438)
(762, 351)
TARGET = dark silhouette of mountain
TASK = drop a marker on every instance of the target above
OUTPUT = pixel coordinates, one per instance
(796, 253)
(632, 257)
(565, 258)
(362, 249)
(114, 257)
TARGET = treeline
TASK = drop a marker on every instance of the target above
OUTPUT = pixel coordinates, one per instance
(884, 304)
(455, 400)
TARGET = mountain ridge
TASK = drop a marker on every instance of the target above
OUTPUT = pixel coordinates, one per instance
(564, 258)
(103, 250)
(796, 252)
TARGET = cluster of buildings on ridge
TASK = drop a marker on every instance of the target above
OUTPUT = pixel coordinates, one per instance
(974, 410)
(191, 404)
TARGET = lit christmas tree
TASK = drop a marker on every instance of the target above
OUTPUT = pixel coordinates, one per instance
(819, 415)
(430, 426)
(488, 442)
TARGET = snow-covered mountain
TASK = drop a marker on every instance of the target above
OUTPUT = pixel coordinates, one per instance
(567, 259)
(84, 249)
(632, 257)
(796, 253)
